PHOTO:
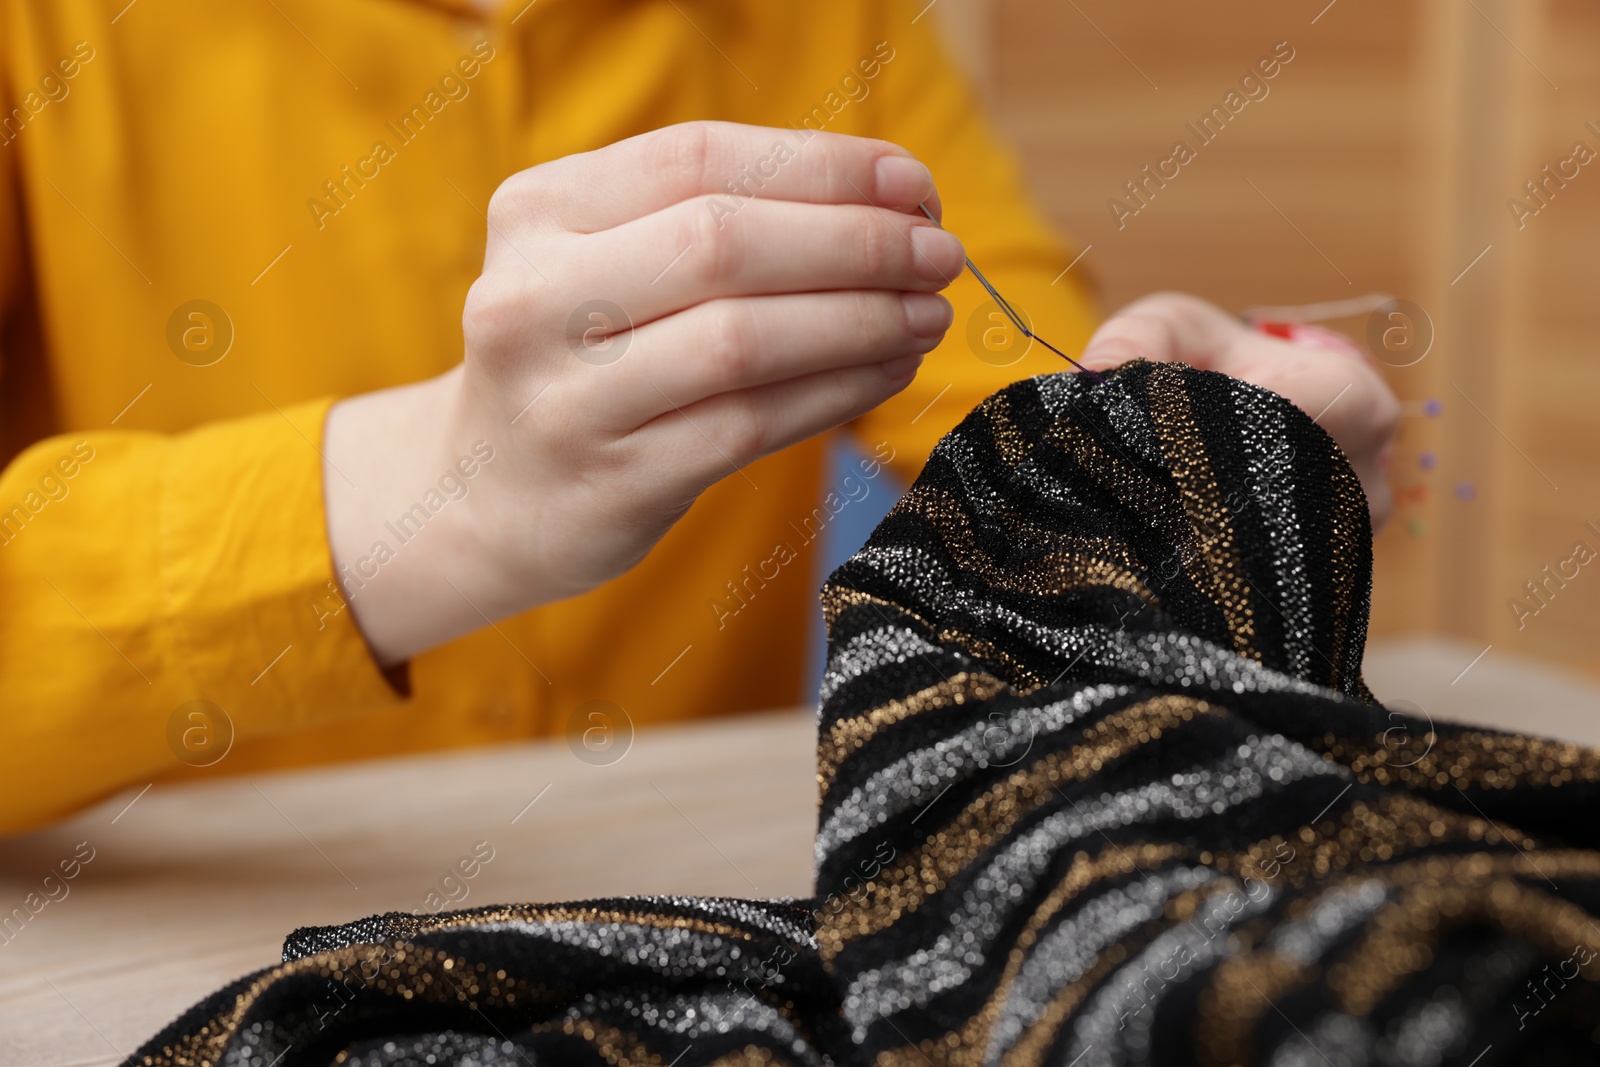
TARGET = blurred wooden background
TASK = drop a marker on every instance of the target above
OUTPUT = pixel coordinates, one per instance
(1382, 159)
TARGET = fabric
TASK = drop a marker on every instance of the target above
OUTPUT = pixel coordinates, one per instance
(1100, 785)
(156, 154)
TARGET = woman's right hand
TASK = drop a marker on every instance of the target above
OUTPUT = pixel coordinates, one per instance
(639, 332)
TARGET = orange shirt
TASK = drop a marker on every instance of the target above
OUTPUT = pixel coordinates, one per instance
(315, 174)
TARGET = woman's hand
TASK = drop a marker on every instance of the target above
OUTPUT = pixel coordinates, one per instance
(1335, 384)
(639, 332)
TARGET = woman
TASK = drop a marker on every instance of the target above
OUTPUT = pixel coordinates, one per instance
(217, 219)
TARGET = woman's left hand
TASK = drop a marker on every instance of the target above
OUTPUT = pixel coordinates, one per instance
(1335, 384)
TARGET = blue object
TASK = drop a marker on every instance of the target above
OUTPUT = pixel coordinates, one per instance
(841, 538)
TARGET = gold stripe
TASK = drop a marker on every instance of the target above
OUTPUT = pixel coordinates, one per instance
(616, 1047)
(835, 600)
(1129, 483)
(1240, 991)
(1470, 759)
(924, 872)
(1075, 562)
(1351, 531)
(1030, 1048)
(1083, 873)
(847, 735)
(1156, 503)
(1012, 444)
(965, 1047)
(1223, 574)
(1399, 940)
(1012, 670)
(1440, 892)
(750, 1056)
(1365, 833)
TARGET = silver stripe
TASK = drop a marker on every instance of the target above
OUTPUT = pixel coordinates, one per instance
(1011, 875)
(916, 779)
(1336, 1038)
(914, 569)
(870, 651)
(1157, 658)
(664, 951)
(1113, 1030)
(1272, 485)
(699, 1016)
(1336, 911)
(1068, 951)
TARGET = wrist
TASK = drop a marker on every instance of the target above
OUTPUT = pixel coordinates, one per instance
(405, 476)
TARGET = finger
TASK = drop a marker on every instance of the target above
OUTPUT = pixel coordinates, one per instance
(598, 190)
(736, 344)
(769, 247)
(702, 443)
(1164, 327)
(1310, 335)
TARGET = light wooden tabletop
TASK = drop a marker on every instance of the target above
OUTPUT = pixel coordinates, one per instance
(194, 885)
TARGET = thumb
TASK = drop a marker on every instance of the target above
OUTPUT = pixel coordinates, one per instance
(1162, 327)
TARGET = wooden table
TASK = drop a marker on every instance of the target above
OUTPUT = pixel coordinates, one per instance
(193, 885)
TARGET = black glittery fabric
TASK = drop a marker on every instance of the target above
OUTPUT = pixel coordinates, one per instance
(1100, 784)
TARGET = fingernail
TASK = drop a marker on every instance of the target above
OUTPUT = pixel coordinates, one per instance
(902, 182)
(927, 314)
(901, 368)
(938, 255)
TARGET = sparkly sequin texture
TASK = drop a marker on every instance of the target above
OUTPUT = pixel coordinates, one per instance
(1100, 785)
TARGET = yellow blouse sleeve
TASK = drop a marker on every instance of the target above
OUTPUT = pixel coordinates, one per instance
(142, 573)
(928, 107)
